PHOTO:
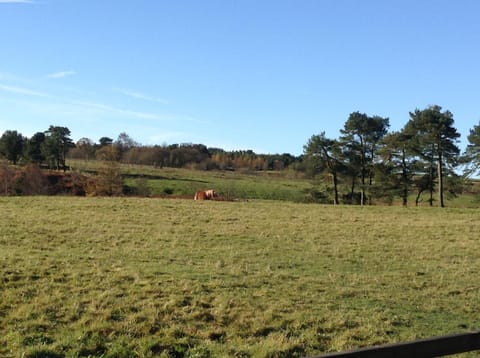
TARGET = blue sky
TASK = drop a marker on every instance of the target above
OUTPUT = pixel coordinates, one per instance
(235, 74)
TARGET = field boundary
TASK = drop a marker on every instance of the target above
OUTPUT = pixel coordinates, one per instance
(429, 347)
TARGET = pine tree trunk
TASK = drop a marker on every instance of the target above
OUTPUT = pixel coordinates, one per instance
(405, 180)
(335, 188)
(430, 185)
(440, 180)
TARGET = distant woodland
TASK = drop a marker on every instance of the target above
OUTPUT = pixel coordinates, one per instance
(366, 162)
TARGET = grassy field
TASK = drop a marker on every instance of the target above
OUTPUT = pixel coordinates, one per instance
(284, 185)
(123, 277)
(269, 185)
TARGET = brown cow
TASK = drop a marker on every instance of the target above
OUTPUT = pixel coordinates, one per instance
(200, 195)
(205, 195)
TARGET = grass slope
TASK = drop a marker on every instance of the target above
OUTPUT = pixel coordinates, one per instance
(270, 185)
(284, 185)
(122, 277)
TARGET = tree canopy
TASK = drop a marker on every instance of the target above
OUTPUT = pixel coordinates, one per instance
(11, 145)
(368, 162)
(435, 141)
(472, 153)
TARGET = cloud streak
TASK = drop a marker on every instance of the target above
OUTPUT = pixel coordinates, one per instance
(139, 95)
(92, 106)
(22, 91)
(42, 102)
(61, 74)
(118, 111)
(17, 2)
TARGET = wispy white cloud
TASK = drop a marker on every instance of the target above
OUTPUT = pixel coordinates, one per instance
(61, 74)
(80, 105)
(139, 95)
(17, 1)
(43, 102)
(128, 113)
(22, 91)
(118, 111)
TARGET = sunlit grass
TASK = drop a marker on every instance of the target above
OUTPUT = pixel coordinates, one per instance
(125, 277)
(270, 185)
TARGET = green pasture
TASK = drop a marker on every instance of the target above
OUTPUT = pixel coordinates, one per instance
(131, 277)
(242, 185)
(182, 182)
(178, 182)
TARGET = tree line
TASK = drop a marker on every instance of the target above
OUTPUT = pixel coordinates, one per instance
(367, 162)
(52, 147)
(49, 147)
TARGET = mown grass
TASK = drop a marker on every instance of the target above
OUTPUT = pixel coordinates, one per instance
(123, 277)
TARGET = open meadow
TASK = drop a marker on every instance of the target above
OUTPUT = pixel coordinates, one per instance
(132, 277)
(180, 182)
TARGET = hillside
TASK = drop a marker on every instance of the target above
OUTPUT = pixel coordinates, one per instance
(178, 182)
(102, 178)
